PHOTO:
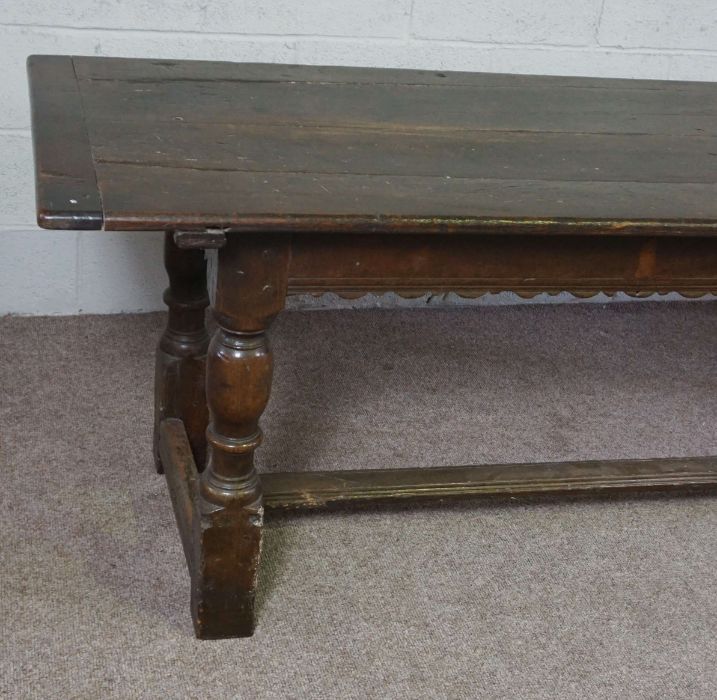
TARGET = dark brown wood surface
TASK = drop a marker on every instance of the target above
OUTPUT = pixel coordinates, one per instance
(180, 367)
(189, 144)
(324, 490)
(413, 264)
(65, 183)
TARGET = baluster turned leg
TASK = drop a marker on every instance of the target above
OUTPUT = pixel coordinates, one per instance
(181, 355)
(250, 291)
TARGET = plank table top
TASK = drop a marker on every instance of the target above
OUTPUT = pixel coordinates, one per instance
(139, 144)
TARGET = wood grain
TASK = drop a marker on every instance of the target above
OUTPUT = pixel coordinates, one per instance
(66, 187)
(254, 147)
(183, 483)
(470, 264)
(324, 490)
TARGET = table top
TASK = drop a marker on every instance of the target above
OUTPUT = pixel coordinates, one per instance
(140, 144)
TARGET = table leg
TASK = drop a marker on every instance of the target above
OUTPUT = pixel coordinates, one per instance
(250, 290)
(181, 355)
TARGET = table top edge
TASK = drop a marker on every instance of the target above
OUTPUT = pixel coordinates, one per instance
(385, 70)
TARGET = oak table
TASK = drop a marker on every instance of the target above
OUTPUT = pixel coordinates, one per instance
(353, 180)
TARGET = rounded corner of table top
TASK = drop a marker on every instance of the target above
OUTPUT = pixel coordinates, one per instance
(55, 220)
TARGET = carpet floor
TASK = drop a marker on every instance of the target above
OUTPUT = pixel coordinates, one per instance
(569, 598)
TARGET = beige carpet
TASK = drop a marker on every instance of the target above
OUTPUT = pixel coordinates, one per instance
(522, 599)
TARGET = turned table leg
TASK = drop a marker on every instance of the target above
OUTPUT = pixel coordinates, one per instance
(250, 290)
(181, 355)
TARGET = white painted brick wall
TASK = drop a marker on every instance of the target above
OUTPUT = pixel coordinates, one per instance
(45, 272)
(548, 22)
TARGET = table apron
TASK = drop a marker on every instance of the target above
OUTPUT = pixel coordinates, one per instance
(412, 265)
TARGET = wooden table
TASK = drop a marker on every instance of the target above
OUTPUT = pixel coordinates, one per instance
(352, 180)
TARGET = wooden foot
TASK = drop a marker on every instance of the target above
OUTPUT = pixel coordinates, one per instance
(221, 546)
(181, 354)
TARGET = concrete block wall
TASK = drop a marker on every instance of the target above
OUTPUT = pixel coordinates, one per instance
(43, 272)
